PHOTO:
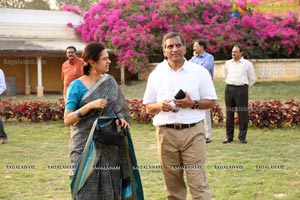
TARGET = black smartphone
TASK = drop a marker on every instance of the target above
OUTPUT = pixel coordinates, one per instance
(180, 94)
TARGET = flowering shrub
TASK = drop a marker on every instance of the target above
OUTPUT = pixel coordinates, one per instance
(134, 29)
(271, 114)
(138, 111)
(217, 114)
(274, 114)
(35, 111)
(268, 114)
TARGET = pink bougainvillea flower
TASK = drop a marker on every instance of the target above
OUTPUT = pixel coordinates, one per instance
(134, 28)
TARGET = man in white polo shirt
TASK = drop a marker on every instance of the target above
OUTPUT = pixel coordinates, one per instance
(179, 122)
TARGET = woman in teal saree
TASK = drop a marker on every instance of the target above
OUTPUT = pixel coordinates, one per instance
(101, 171)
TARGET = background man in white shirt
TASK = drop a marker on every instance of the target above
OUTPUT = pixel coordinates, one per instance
(239, 75)
(179, 123)
(3, 136)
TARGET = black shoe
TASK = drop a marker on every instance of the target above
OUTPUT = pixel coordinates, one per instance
(227, 141)
(3, 141)
(243, 141)
(208, 140)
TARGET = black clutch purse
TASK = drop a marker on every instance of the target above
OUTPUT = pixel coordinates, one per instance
(107, 132)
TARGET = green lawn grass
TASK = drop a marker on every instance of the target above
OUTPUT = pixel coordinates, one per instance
(268, 167)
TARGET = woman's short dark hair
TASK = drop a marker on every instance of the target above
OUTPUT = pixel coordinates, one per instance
(91, 52)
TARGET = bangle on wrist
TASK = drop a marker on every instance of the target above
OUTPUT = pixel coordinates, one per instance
(78, 113)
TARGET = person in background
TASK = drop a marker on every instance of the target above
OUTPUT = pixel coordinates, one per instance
(3, 136)
(89, 97)
(201, 57)
(179, 122)
(239, 75)
(71, 69)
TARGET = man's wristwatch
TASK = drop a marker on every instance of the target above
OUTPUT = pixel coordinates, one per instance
(196, 105)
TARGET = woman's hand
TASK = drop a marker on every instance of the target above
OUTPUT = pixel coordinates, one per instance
(71, 118)
(98, 104)
(123, 123)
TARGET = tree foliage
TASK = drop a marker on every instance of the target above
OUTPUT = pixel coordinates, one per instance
(25, 4)
(12, 3)
(82, 4)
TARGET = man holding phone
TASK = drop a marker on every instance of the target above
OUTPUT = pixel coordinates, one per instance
(179, 118)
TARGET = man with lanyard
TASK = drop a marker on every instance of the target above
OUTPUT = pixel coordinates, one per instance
(201, 57)
(179, 122)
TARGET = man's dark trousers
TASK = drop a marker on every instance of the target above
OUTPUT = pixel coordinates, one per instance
(236, 99)
(2, 132)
